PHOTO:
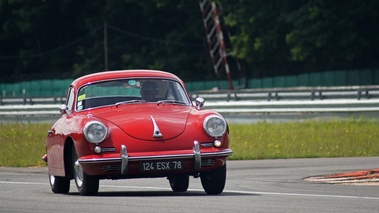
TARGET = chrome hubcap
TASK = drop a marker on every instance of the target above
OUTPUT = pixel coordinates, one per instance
(78, 174)
(52, 180)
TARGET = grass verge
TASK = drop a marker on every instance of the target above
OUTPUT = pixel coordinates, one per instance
(22, 145)
(308, 139)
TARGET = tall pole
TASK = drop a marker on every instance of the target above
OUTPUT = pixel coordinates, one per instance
(215, 38)
(222, 49)
(105, 46)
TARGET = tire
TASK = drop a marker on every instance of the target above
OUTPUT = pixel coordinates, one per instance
(179, 182)
(59, 185)
(213, 181)
(87, 185)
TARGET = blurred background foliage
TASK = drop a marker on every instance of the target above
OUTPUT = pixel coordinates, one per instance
(46, 39)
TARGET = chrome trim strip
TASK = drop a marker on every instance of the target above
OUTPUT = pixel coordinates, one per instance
(157, 132)
(224, 153)
(161, 157)
(124, 160)
(197, 156)
(100, 160)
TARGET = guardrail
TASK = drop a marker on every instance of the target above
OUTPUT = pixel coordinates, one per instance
(273, 100)
(32, 101)
(294, 93)
(293, 100)
(294, 106)
(30, 106)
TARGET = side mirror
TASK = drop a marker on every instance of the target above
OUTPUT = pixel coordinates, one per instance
(63, 109)
(199, 102)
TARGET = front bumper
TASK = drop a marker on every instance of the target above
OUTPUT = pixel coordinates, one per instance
(124, 159)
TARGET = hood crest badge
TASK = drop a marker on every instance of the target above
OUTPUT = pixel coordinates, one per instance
(157, 133)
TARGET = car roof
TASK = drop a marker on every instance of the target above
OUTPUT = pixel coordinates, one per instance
(137, 73)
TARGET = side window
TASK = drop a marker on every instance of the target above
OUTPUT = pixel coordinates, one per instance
(170, 94)
(70, 99)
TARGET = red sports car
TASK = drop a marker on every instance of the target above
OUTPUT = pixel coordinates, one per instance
(135, 124)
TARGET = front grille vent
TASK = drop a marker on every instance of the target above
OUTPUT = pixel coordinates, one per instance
(207, 162)
(111, 168)
(207, 144)
(108, 149)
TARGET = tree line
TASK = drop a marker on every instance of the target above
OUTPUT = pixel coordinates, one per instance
(43, 39)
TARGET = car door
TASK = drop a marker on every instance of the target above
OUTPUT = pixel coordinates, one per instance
(56, 138)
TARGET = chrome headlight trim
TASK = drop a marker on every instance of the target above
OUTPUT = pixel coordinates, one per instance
(214, 125)
(95, 132)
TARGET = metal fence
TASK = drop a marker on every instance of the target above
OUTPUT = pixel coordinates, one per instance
(270, 100)
(299, 99)
(291, 93)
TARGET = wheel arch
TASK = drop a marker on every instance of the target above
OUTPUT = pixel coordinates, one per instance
(68, 147)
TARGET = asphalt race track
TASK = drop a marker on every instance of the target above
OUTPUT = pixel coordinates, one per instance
(252, 186)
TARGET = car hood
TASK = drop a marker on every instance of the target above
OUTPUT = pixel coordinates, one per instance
(150, 122)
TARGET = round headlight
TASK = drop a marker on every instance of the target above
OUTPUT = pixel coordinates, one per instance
(214, 125)
(95, 132)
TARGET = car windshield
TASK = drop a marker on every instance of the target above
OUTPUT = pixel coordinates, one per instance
(128, 91)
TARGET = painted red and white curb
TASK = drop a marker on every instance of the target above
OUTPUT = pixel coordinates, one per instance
(361, 177)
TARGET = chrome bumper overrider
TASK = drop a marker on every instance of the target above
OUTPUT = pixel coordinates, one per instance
(125, 158)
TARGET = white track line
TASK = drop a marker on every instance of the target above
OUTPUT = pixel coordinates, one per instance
(225, 191)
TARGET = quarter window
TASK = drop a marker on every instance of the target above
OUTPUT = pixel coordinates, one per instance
(70, 99)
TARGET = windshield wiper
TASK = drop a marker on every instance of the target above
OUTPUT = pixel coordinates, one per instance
(171, 102)
(129, 102)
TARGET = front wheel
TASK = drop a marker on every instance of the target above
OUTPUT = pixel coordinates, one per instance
(213, 181)
(179, 182)
(86, 184)
(59, 184)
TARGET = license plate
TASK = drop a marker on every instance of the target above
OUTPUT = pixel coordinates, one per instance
(161, 165)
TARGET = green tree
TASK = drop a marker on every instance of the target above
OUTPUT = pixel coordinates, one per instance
(335, 35)
(289, 37)
(65, 39)
(38, 38)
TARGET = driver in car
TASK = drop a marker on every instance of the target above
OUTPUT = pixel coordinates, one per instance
(150, 91)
